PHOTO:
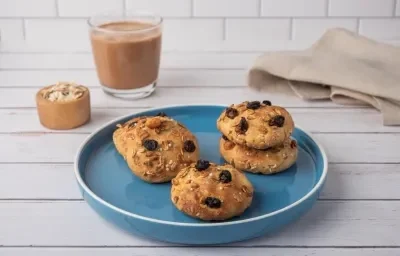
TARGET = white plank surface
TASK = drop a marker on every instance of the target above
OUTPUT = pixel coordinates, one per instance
(199, 251)
(195, 60)
(62, 147)
(313, 120)
(40, 204)
(167, 96)
(170, 77)
(329, 223)
(46, 181)
(57, 181)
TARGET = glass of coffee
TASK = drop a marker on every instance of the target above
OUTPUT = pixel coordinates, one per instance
(126, 51)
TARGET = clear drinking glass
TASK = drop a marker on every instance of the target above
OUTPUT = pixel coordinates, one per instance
(126, 51)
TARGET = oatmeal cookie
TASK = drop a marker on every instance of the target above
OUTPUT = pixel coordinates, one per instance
(208, 191)
(156, 148)
(266, 161)
(256, 124)
(124, 134)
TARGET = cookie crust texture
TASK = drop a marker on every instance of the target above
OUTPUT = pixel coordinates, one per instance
(269, 161)
(256, 125)
(219, 192)
(156, 148)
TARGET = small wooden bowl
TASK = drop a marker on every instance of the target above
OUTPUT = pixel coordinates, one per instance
(63, 115)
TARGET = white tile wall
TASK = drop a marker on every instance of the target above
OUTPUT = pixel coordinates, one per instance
(48, 30)
(388, 29)
(226, 8)
(169, 8)
(198, 24)
(192, 29)
(11, 29)
(69, 8)
(312, 29)
(288, 8)
(27, 8)
(257, 29)
(361, 8)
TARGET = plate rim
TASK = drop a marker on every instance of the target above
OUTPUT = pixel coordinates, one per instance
(88, 191)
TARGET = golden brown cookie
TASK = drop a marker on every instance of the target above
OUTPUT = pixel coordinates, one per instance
(256, 125)
(266, 161)
(156, 148)
(209, 191)
(123, 134)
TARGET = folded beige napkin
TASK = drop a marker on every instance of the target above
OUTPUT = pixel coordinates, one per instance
(342, 66)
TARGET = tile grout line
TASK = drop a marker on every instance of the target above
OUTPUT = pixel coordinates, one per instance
(291, 30)
(23, 29)
(327, 2)
(224, 21)
(191, 9)
(57, 8)
(124, 11)
(259, 8)
(394, 8)
(358, 25)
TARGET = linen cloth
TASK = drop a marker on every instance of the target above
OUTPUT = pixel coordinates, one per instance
(342, 66)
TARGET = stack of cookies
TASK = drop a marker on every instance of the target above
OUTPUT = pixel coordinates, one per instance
(256, 137)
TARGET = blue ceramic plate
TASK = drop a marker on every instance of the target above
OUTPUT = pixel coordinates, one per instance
(116, 194)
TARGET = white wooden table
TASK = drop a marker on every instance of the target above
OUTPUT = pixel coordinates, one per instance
(42, 212)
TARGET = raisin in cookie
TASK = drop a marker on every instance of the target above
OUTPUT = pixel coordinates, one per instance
(209, 191)
(156, 148)
(256, 125)
(266, 161)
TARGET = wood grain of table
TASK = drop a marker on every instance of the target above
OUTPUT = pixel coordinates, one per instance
(43, 213)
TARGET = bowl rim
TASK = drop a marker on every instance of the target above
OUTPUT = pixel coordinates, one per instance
(88, 191)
